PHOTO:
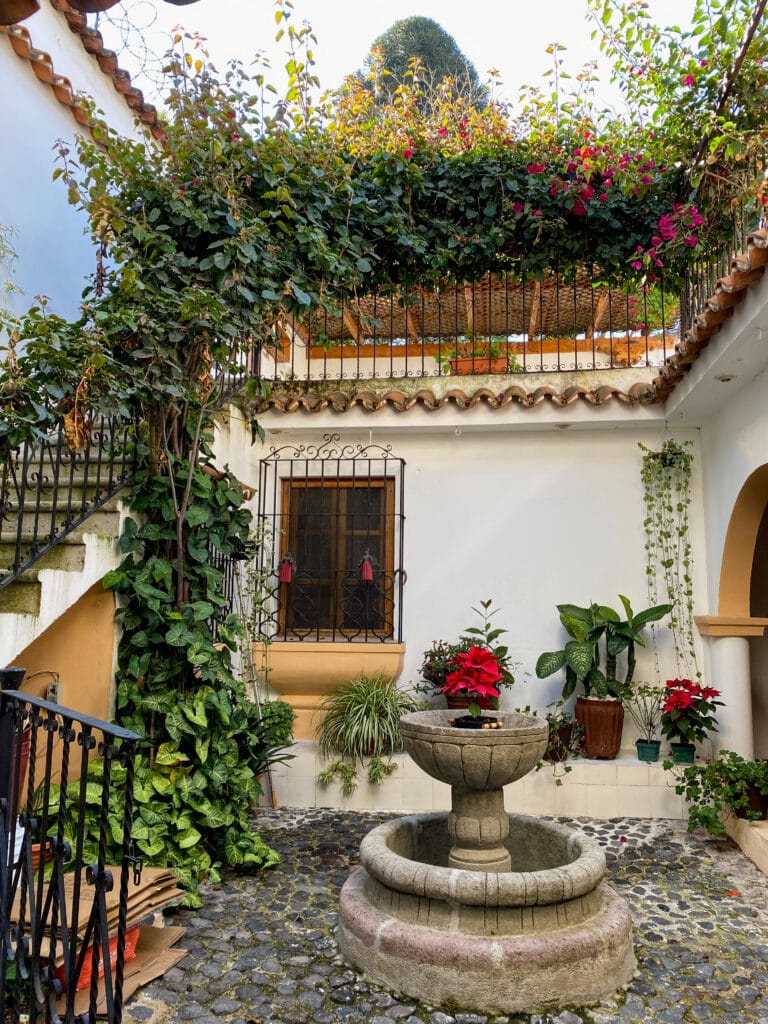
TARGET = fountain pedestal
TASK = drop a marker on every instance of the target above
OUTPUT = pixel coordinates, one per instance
(477, 827)
(478, 909)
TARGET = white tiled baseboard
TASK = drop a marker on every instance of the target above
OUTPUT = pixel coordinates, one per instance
(624, 787)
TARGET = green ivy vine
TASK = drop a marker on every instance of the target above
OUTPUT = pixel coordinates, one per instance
(206, 742)
(666, 478)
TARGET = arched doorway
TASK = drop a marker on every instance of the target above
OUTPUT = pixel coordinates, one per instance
(739, 644)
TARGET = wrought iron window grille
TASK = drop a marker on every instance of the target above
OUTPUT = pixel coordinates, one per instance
(334, 569)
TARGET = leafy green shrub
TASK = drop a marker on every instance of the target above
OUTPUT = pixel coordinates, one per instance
(713, 788)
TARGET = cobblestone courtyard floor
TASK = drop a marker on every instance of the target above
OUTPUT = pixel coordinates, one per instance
(262, 949)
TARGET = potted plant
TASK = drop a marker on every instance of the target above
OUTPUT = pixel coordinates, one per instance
(476, 676)
(598, 636)
(644, 703)
(688, 716)
(437, 662)
(729, 784)
(361, 723)
(476, 356)
(443, 659)
(565, 734)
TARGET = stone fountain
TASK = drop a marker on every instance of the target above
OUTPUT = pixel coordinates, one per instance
(479, 909)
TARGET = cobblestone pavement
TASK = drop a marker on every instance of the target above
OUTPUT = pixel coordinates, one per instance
(262, 950)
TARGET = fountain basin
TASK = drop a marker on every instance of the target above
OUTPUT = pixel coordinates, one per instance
(556, 877)
(548, 935)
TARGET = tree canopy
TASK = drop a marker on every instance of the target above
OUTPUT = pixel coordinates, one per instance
(437, 56)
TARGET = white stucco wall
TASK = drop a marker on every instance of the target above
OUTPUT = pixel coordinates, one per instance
(55, 256)
(530, 518)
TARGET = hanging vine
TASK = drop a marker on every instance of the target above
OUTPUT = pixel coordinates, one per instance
(666, 478)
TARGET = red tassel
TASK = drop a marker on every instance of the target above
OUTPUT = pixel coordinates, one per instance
(366, 569)
(285, 570)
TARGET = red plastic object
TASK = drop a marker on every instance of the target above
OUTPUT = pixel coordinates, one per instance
(131, 940)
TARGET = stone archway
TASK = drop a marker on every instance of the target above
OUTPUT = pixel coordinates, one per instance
(741, 549)
(743, 614)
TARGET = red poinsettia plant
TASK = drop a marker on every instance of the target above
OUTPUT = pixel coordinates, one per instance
(688, 714)
(477, 674)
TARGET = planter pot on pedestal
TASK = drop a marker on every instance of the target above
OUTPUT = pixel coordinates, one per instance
(602, 721)
(683, 753)
(648, 750)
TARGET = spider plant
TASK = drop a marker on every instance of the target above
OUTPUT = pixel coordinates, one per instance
(361, 723)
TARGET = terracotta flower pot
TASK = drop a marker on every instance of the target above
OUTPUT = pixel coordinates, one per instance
(755, 802)
(12, 11)
(465, 366)
(456, 701)
(92, 6)
(603, 722)
(559, 744)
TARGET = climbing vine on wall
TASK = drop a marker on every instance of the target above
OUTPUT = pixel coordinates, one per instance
(666, 478)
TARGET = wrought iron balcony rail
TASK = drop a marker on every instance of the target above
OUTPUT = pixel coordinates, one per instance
(47, 490)
(53, 886)
(498, 325)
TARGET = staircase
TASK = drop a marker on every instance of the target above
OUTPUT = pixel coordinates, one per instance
(60, 522)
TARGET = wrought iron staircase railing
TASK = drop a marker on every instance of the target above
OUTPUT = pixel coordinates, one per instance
(47, 491)
(55, 924)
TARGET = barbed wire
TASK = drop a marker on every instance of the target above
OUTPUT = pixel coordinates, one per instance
(135, 22)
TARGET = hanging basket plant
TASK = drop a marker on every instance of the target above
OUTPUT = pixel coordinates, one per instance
(666, 477)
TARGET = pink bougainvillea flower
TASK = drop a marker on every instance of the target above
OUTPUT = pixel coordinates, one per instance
(703, 63)
(518, 207)
(535, 168)
(691, 240)
(689, 80)
(637, 265)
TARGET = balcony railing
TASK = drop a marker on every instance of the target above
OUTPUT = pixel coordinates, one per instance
(497, 325)
(54, 921)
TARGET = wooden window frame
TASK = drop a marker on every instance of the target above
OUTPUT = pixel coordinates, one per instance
(292, 486)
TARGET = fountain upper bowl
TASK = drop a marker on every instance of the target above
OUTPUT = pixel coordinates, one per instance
(474, 759)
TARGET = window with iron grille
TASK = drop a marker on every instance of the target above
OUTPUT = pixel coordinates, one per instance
(334, 514)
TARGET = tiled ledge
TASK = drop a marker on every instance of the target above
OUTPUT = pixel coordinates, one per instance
(624, 787)
(752, 838)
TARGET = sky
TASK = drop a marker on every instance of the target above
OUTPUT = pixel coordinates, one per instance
(509, 35)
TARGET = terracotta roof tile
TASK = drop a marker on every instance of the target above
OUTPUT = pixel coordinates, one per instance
(339, 401)
(746, 270)
(93, 43)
